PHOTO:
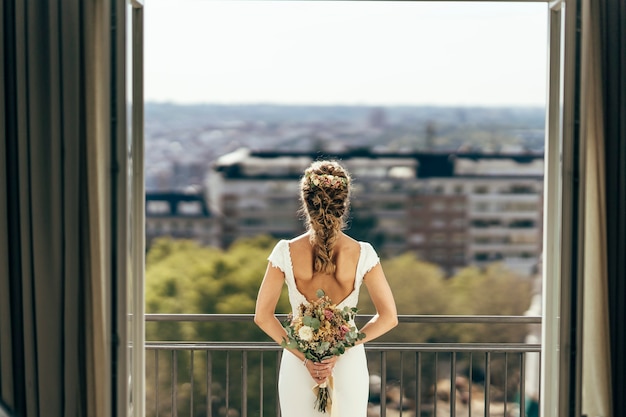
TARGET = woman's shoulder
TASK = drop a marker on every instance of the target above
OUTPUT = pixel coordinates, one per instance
(365, 250)
(357, 243)
(299, 241)
(349, 244)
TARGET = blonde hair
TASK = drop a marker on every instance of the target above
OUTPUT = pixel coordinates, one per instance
(325, 195)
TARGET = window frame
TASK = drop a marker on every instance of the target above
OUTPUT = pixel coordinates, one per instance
(128, 209)
(560, 363)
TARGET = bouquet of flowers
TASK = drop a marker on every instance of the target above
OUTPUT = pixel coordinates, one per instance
(321, 330)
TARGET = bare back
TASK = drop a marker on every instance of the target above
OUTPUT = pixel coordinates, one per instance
(337, 287)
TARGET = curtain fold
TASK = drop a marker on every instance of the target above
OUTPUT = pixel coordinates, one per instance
(6, 337)
(97, 214)
(596, 354)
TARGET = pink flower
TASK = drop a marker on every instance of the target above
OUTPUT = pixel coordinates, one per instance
(329, 314)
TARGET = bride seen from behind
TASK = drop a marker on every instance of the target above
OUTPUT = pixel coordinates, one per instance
(324, 258)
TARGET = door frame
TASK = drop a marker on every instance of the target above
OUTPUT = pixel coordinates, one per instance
(561, 266)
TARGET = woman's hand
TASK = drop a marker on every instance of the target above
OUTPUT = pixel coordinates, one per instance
(320, 371)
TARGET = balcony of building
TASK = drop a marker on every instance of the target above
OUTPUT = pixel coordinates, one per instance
(239, 378)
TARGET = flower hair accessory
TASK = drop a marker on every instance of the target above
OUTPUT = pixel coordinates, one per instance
(327, 180)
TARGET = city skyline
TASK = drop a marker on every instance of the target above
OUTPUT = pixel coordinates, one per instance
(394, 53)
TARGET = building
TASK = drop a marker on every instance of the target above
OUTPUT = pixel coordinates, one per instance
(257, 192)
(438, 226)
(181, 216)
(445, 210)
(252, 196)
(486, 210)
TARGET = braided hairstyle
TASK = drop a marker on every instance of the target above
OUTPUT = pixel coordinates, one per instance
(325, 195)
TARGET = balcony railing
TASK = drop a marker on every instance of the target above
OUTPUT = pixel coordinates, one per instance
(239, 379)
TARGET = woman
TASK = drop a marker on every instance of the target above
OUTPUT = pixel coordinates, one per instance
(324, 258)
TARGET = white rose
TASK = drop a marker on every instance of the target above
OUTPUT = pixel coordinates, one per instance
(305, 333)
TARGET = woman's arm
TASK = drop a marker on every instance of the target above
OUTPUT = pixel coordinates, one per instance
(386, 317)
(267, 299)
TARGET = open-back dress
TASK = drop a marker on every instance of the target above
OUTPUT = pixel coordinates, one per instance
(350, 376)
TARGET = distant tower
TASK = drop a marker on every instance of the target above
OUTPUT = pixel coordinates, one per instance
(430, 135)
(377, 118)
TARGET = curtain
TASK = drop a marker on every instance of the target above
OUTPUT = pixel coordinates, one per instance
(6, 339)
(613, 57)
(596, 357)
(54, 246)
(97, 212)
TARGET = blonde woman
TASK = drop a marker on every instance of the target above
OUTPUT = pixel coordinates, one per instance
(324, 258)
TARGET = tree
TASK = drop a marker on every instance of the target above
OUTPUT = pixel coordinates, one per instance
(184, 277)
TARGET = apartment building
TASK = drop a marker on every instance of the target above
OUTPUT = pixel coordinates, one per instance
(450, 211)
(180, 215)
(258, 192)
(252, 196)
(489, 220)
(438, 225)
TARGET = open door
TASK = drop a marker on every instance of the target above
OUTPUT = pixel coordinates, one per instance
(560, 383)
(129, 213)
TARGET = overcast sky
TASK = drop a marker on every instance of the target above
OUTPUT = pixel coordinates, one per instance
(326, 52)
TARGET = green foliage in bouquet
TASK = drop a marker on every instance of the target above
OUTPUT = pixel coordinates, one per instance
(321, 329)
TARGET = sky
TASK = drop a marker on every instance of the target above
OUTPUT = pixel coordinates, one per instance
(346, 52)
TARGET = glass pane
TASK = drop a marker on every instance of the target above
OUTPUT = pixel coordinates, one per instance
(470, 82)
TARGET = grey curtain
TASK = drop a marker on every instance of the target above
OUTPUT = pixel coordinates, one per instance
(613, 56)
(54, 117)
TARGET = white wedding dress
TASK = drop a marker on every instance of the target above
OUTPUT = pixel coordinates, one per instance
(351, 378)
